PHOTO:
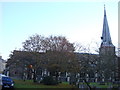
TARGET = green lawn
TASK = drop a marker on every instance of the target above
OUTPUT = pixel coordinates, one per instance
(106, 85)
(98, 85)
(30, 84)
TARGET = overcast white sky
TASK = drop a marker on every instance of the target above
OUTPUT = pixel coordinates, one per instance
(79, 21)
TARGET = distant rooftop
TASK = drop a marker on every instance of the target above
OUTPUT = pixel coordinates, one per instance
(2, 59)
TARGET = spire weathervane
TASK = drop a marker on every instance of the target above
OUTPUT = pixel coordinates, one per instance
(104, 6)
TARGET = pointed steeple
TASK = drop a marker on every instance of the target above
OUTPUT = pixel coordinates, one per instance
(106, 38)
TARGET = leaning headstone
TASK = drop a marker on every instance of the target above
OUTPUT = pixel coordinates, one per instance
(81, 86)
(96, 80)
(68, 79)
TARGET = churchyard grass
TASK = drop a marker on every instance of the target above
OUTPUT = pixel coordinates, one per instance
(98, 85)
(30, 84)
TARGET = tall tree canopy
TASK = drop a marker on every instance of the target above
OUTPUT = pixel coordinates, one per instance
(58, 43)
(34, 43)
(38, 43)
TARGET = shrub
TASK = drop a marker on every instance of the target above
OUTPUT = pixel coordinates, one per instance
(48, 80)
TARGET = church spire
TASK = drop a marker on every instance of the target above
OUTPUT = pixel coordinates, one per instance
(106, 38)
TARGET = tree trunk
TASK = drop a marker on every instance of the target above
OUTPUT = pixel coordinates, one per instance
(88, 84)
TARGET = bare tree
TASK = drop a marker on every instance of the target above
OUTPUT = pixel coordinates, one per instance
(87, 62)
(34, 43)
(56, 48)
(59, 52)
(58, 43)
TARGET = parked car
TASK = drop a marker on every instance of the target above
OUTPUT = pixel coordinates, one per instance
(6, 82)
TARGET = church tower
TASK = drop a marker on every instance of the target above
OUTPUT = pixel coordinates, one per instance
(106, 48)
(106, 52)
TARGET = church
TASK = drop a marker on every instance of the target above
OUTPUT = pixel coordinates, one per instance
(108, 60)
(102, 67)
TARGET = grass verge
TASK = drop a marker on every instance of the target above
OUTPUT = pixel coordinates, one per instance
(30, 84)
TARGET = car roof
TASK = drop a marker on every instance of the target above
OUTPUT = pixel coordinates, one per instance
(2, 75)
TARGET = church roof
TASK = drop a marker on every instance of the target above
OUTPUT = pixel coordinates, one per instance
(106, 38)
